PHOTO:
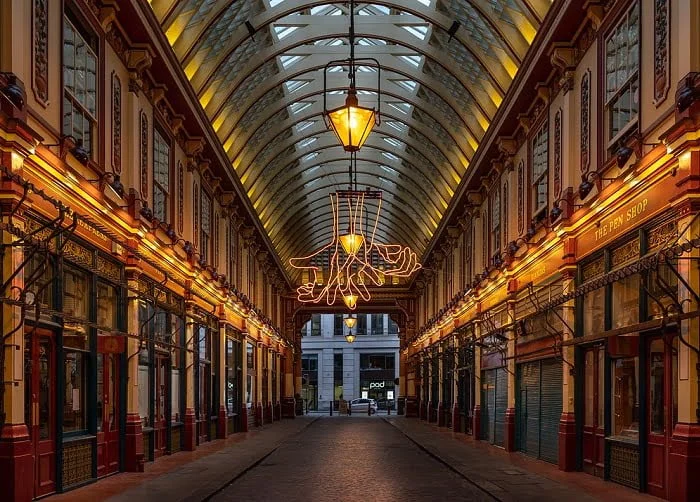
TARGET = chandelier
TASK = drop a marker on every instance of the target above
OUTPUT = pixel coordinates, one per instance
(355, 259)
(351, 122)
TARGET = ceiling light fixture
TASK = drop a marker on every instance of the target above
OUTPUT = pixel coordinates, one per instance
(351, 122)
(350, 321)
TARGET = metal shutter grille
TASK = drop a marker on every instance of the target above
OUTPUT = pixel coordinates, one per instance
(552, 375)
(488, 404)
(528, 416)
(501, 406)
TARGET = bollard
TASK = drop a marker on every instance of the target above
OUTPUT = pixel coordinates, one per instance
(388, 410)
(331, 408)
(369, 410)
(349, 409)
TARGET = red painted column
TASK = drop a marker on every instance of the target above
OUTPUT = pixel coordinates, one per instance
(476, 428)
(244, 418)
(440, 415)
(567, 441)
(509, 440)
(190, 430)
(133, 453)
(16, 466)
(684, 463)
(222, 424)
(456, 419)
(258, 415)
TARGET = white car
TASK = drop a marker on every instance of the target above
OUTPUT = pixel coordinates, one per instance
(359, 405)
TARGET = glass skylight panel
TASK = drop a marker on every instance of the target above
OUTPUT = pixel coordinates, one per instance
(295, 85)
(302, 126)
(419, 31)
(404, 108)
(390, 156)
(308, 157)
(370, 41)
(335, 69)
(414, 60)
(366, 69)
(306, 142)
(311, 170)
(424, 2)
(387, 169)
(399, 126)
(289, 61)
(409, 85)
(284, 31)
(393, 142)
(275, 3)
(299, 106)
(325, 10)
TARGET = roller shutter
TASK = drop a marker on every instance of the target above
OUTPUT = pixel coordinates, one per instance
(538, 408)
(501, 406)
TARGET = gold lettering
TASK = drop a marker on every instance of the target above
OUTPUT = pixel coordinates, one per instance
(617, 221)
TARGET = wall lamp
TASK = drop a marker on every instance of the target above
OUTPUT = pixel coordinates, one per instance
(587, 182)
(114, 182)
(144, 210)
(622, 155)
(556, 211)
(68, 143)
(514, 246)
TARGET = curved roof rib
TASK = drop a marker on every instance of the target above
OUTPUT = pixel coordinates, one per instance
(264, 96)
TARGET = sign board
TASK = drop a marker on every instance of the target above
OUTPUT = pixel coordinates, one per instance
(365, 394)
(390, 394)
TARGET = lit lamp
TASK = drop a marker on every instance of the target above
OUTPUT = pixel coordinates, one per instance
(350, 300)
(350, 321)
(351, 122)
(350, 337)
(351, 242)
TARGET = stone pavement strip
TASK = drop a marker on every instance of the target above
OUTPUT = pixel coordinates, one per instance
(200, 479)
(509, 476)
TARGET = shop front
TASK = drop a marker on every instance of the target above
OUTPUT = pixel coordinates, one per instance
(74, 393)
(627, 395)
(161, 371)
(233, 379)
(539, 375)
(494, 377)
(377, 375)
(465, 381)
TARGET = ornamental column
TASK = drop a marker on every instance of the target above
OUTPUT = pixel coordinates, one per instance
(190, 420)
(16, 465)
(456, 419)
(441, 390)
(567, 422)
(476, 426)
(684, 457)
(244, 382)
(222, 422)
(509, 440)
(133, 454)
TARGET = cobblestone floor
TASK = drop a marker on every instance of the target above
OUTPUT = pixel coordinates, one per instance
(350, 459)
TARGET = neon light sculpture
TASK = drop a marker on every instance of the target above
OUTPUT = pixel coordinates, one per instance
(350, 269)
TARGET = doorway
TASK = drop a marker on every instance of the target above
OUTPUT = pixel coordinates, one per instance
(107, 413)
(594, 411)
(662, 399)
(40, 410)
(162, 396)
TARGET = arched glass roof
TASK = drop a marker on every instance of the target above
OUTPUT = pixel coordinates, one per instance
(264, 95)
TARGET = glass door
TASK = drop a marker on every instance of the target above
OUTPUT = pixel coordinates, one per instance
(162, 396)
(107, 413)
(594, 411)
(39, 399)
(662, 395)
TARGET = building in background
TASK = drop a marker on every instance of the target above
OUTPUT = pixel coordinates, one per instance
(333, 369)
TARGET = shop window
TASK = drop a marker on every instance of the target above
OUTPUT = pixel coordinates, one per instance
(75, 389)
(539, 172)
(625, 301)
(75, 305)
(161, 177)
(393, 328)
(594, 312)
(79, 83)
(176, 361)
(625, 401)
(106, 305)
(662, 287)
(231, 253)
(250, 386)
(622, 75)
(338, 325)
(316, 325)
(377, 324)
